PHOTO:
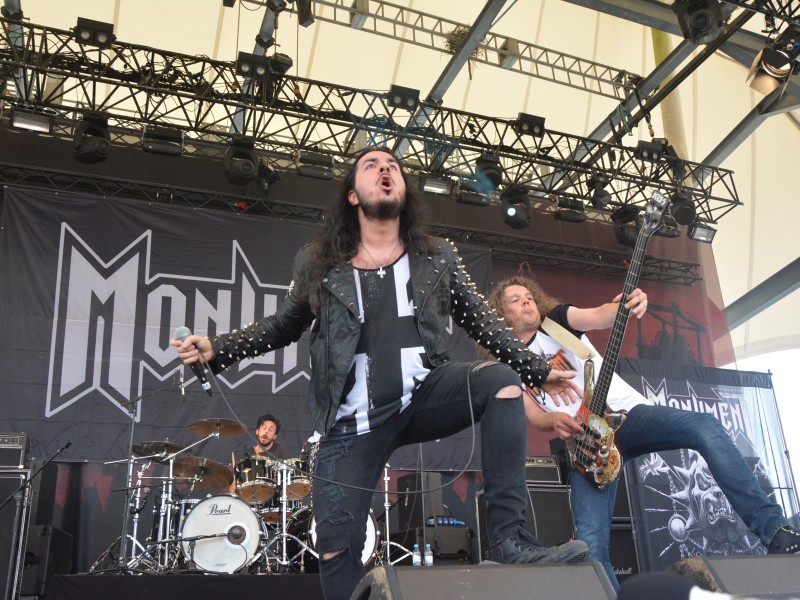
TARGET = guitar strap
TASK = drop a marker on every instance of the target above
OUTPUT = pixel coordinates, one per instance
(566, 339)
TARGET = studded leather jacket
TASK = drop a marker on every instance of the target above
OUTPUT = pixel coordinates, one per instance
(440, 288)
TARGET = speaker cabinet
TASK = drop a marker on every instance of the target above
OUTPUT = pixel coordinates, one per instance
(743, 575)
(410, 505)
(622, 552)
(580, 581)
(548, 517)
(49, 552)
(13, 521)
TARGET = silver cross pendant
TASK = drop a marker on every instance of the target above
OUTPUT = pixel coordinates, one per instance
(381, 272)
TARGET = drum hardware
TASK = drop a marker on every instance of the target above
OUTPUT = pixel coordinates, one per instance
(283, 559)
(385, 553)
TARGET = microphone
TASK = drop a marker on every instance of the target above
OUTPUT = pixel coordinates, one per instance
(669, 586)
(64, 447)
(198, 368)
(235, 533)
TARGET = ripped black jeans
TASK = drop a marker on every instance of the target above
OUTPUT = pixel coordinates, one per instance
(438, 408)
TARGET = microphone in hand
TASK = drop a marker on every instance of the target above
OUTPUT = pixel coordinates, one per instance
(199, 369)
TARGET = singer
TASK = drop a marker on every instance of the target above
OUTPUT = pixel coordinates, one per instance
(378, 292)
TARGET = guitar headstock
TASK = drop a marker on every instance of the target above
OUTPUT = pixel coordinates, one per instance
(654, 211)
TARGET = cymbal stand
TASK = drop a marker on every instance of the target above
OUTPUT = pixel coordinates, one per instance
(138, 506)
(283, 559)
(385, 553)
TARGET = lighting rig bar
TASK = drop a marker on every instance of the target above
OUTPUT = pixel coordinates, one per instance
(136, 85)
(429, 31)
(538, 253)
(784, 10)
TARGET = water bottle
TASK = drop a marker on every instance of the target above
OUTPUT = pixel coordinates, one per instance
(416, 557)
(428, 556)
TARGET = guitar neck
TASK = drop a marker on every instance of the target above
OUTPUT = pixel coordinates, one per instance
(598, 402)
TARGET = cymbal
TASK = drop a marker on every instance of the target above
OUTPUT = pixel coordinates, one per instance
(210, 474)
(156, 447)
(224, 426)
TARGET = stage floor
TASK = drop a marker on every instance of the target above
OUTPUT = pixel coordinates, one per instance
(178, 587)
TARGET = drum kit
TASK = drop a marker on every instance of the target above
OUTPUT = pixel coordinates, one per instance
(255, 517)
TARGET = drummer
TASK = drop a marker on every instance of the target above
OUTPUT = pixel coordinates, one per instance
(267, 430)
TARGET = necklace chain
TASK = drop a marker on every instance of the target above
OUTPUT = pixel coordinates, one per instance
(381, 270)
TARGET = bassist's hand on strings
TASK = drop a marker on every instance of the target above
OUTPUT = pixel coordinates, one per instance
(637, 302)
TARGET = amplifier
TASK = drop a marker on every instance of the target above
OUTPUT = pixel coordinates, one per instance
(13, 450)
(542, 469)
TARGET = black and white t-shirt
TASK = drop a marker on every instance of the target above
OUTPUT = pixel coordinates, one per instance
(390, 361)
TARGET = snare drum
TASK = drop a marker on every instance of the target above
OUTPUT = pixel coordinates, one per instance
(304, 527)
(255, 478)
(222, 534)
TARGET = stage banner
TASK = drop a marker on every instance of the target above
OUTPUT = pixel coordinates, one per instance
(677, 507)
(91, 291)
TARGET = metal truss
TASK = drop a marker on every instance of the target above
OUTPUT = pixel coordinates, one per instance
(288, 116)
(538, 253)
(429, 31)
(784, 10)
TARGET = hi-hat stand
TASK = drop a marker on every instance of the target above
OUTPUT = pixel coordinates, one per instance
(385, 553)
(283, 560)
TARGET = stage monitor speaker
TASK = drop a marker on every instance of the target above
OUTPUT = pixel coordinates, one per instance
(580, 581)
(548, 516)
(12, 523)
(49, 553)
(410, 504)
(761, 576)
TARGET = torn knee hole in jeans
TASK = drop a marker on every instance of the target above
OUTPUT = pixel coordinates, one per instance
(333, 554)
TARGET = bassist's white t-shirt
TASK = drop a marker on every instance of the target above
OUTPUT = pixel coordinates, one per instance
(621, 396)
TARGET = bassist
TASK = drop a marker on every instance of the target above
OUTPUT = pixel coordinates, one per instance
(647, 427)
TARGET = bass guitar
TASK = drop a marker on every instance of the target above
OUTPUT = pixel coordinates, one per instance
(594, 454)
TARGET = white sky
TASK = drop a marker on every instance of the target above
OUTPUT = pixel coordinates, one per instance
(783, 365)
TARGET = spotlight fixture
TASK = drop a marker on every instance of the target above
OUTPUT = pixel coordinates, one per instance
(94, 33)
(403, 97)
(488, 173)
(625, 229)
(434, 184)
(163, 140)
(648, 151)
(466, 196)
(774, 64)
(683, 208)
(253, 66)
(700, 20)
(598, 195)
(700, 232)
(280, 63)
(529, 125)
(240, 161)
(570, 209)
(228, 3)
(265, 177)
(31, 121)
(305, 14)
(314, 164)
(516, 207)
(92, 141)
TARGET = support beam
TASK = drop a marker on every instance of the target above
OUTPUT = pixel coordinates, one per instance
(764, 295)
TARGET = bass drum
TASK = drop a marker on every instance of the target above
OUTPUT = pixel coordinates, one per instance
(303, 526)
(221, 534)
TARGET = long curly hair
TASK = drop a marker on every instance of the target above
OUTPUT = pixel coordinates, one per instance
(340, 237)
(544, 302)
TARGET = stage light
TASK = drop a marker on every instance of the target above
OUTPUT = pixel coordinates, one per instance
(31, 121)
(466, 196)
(94, 33)
(570, 209)
(403, 97)
(701, 232)
(683, 208)
(163, 140)
(240, 161)
(92, 141)
(253, 66)
(700, 20)
(625, 229)
(314, 164)
(433, 184)
(529, 125)
(265, 177)
(305, 14)
(516, 207)
(775, 63)
(668, 227)
(598, 196)
(648, 151)
(488, 173)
